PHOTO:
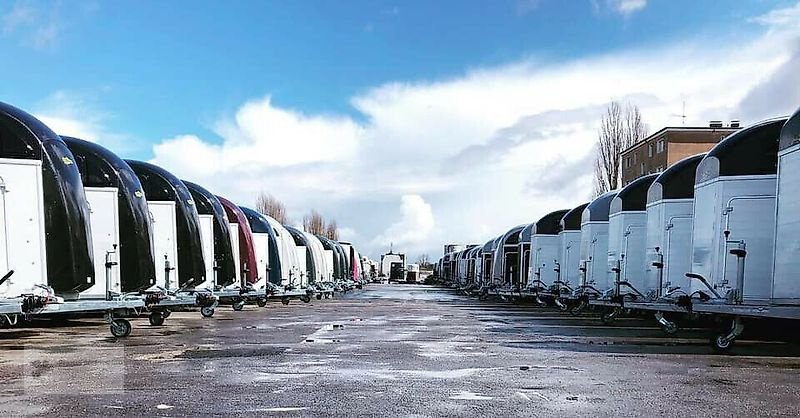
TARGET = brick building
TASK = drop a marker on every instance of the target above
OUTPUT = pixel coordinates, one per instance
(669, 145)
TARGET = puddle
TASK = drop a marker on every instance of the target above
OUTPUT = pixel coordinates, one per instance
(470, 396)
(282, 409)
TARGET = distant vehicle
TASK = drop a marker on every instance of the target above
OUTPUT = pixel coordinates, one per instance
(396, 272)
(387, 262)
(412, 273)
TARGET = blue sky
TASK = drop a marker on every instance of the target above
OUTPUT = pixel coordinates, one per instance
(139, 75)
(163, 67)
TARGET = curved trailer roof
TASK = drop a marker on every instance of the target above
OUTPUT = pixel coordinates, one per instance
(68, 238)
(338, 267)
(344, 262)
(208, 204)
(549, 224)
(161, 185)
(511, 237)
(633, 197)
(260, 225)
(676, 182)
(597, 210)
(100, 167)
(311, 260)
(749, 151)
(571, 221)
(790, 133)
(247, 250)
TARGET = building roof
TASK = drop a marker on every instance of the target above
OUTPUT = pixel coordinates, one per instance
(725, 129)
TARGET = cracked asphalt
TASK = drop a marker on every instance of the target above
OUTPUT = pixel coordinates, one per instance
(392, 350)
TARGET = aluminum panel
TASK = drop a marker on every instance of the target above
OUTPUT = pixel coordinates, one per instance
(786, 285)
(104, 218)
(165, 241)
(22, 225)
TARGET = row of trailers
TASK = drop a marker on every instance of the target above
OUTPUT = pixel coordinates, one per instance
(714, 236)
(84, 232)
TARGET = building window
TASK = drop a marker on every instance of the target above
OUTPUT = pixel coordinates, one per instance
(650, 150)
(627, 162)
(660, 146)
(641, 169)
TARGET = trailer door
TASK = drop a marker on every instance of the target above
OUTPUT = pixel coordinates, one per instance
(165, 244)
(103, 214)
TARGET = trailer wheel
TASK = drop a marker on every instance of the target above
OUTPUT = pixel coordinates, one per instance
(261, 303)
(238, 305)
(207, 311)
(305, 298)
(607, 318)
(669, 329)
(285, 300)
(319, 296)
(720, 344)
(156, 318)
(120, 328)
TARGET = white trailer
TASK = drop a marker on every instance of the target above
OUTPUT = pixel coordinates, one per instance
(594, 247)
(627, 237)
(545, 248)
(734, 222)
(569, 237)
(670, 211)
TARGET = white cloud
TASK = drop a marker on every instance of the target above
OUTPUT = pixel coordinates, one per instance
(488, 149)
(414, 227)
(35, 23)
(21, 14)
(781, 17)
(627, 7)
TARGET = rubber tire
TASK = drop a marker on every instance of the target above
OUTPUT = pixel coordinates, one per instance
(285, 301)
(261, 303)
(156, 318)
(717, 345)
(305, 298)
(319, 296)
(120, 328)
(207, 311)
(238, 305)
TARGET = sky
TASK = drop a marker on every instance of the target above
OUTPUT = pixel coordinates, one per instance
(412, 123)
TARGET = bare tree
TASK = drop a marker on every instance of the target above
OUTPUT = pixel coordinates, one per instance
(271, 206)
(620, 128)
(424, 260)
(332, 230)
(314, 223)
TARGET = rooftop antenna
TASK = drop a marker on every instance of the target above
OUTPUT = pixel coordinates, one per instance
(391, 248)
(682, 115)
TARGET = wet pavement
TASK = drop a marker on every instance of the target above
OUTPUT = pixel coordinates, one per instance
(391, 350)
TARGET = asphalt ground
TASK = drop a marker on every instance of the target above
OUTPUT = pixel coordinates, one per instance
(394, 350)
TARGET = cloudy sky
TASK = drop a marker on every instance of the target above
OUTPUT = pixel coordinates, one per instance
(411, 122)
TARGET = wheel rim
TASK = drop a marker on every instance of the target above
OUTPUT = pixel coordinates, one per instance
(722, 343)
